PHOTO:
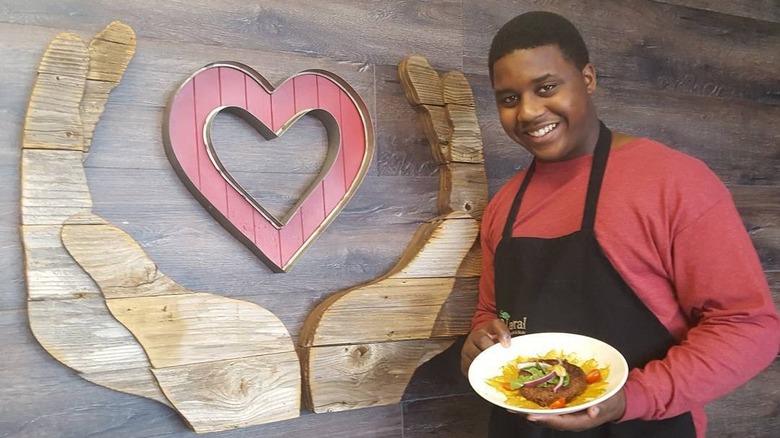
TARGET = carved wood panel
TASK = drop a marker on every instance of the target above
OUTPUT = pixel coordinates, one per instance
(224, 363)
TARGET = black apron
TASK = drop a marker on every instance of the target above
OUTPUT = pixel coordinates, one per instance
(566, 284)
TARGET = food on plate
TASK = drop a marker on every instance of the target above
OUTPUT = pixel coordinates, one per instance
(565, 381)
(552, 381)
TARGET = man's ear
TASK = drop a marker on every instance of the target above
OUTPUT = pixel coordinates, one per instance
(589, 76)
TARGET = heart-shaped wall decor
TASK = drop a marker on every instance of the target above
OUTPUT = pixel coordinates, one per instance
(237, 88)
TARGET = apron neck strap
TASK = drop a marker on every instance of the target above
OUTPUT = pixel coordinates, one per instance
(510, 220)
(600, 155)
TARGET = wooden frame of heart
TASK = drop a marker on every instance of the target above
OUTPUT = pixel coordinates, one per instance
(236, 88)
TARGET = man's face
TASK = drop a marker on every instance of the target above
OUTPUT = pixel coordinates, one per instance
(544, 103)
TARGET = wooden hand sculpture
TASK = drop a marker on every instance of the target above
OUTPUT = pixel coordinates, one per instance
(221, 363)
(99, 304)
(361, 346)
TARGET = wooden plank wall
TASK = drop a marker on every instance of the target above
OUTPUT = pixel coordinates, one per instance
(700, 75)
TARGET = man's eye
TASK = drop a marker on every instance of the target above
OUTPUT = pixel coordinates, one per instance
(547, 88)
(508, 100)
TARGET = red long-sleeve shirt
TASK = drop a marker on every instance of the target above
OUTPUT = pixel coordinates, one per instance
(670, 228)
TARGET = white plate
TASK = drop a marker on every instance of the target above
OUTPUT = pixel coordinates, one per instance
(488, 364)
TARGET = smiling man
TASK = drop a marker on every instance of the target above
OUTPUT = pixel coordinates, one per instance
(616, 237)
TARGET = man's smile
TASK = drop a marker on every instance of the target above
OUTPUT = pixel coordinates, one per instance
(541, 132)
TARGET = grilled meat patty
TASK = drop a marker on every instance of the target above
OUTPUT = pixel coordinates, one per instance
(544, 395)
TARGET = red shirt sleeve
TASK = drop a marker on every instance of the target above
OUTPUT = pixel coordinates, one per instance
(734, 332)
(486, 305)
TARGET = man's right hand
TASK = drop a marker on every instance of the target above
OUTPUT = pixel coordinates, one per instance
(482, 337)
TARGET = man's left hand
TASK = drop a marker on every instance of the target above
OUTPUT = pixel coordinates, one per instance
(608, 410)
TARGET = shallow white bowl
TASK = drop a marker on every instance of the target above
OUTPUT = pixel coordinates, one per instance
(488, 364)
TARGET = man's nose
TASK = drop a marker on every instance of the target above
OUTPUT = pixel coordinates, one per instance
(530, 108)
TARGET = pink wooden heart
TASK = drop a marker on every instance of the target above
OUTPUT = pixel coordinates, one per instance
(234, 87)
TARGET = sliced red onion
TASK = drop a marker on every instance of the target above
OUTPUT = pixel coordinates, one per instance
(524, 365)
(560, 383)
(560, 378)
(546, 378)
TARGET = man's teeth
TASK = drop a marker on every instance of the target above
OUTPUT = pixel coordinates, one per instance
(543, 131)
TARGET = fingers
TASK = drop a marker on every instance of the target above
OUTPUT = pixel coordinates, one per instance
(609, 410)
(450, 123)
(469, 351)
(499, 332)
(575, 422)
(55, 123)
(110, 52)
(482, 338)
(493, 332)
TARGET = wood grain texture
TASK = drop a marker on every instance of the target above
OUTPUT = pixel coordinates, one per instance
(79, 333)
(440, 377)
(463, 182)
(115, 262)
(402, 147)
(364, 32)
(461, 416)
(53, 118)
(464, 188)
(389, 310)
(41, 398)
(345, 255)
(406, 303)
(760, 211)
(193, 328)
(774, 284)
(437, 130)
(146, 86)
(456, 90)
(137, 381)
(188, 337)
(110, 51)
(345, 377)
(466, 140)
(44, 399)
(438, 248)
(471, 266)
(50, 271)
(446, 107)
(420, 270)
(421, 83)
(229, 394)
(735, 139)
(751, 410)
(454, 318)
(400, 310)
(54, 186)
(757, 9)
(190, 331)
(82, 334)
(699, 52)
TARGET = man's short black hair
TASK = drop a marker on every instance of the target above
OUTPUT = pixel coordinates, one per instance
(536, 29)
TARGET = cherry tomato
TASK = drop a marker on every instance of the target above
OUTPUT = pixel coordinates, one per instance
(561, 402)
(593, 376)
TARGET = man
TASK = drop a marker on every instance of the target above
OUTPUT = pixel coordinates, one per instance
(615, 237)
